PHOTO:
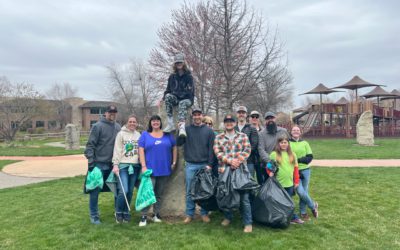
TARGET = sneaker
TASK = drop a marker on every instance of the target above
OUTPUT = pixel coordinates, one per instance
(187, 220)
(297, 221)
(205, 219)
(156, 218)
(127, 218)
(170, 125)
(225, 222)
(315, 210)
(95, 220)
(305, 217)
(118, 217)
(182, 131)
(143, 221)
(248, 229)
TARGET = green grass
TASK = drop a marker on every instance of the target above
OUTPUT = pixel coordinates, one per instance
(359, 209)
(3, 163)
(349, 149)
(37, 148)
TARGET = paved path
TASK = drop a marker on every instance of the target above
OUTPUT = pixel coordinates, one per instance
(37, 169)
(58, 144)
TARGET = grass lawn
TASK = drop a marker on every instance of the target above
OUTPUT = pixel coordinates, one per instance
(387, 148)
(36, 148)
(359, 209)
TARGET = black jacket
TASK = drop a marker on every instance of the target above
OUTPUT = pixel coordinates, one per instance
(181, 86)
(252, 134)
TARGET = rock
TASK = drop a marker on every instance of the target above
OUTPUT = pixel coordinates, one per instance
(72, 136)
(365, 129)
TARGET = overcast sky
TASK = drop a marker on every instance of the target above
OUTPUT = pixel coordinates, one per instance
(47, 41)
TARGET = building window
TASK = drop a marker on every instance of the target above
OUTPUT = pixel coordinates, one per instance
(52, 124)
(97, 111)
(40, 124)
(15, 125)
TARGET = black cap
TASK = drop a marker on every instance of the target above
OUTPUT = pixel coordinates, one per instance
(112, 109)
(269, 114)
(195, 109)
(229, 118)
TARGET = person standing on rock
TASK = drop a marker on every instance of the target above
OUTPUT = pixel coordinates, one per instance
(179, 92)
(198, 154)
(126, 165)
(268, 138)
(99, 152)
(158, 152)
(232, 149)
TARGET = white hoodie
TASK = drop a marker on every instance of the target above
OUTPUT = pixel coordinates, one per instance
(126, 147)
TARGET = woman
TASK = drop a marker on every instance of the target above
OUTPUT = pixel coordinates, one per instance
(126, 165)
(305, 156)
(157, 151)
(288, 171)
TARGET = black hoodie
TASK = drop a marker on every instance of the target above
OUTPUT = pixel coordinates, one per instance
(181, 86)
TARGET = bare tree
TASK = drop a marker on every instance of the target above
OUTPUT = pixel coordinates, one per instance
(19, 103)
(231, 50)
(59, 93)
(132, 86)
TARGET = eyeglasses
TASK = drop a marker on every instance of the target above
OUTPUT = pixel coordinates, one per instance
(255, 116)
(208, 123)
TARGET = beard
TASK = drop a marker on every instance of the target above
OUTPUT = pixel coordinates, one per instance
(271, 128)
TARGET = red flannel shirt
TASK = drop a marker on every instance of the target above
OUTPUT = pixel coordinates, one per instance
(226, 150)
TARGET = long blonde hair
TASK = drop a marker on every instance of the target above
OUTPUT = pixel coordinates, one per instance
(278, 151)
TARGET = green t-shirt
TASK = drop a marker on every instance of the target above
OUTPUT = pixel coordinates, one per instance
(286, 169)
(301, 149)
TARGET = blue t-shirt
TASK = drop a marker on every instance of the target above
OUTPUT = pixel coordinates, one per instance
(158, 152)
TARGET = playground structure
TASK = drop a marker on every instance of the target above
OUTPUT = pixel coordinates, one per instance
(339, 119)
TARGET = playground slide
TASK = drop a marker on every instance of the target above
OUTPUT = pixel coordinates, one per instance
(310, 121)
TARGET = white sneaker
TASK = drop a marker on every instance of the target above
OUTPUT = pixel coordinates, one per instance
(157, 219)
(182, 130)
(143, 221)
(170, 125)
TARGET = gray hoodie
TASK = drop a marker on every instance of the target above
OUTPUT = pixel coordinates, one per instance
(126, 147)
(267, 142)
(100, 145)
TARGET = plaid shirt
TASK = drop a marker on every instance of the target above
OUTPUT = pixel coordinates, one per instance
(226, 150)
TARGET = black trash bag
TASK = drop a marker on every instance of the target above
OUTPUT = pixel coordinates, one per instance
(241, 179)
(273, 206)
(203, 185)
(209, 204)
(227, 197)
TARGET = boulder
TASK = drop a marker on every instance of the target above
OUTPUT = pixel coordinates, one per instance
(72, 137)
(365, 129)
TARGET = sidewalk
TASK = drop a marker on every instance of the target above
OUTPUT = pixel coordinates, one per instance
(37, 169)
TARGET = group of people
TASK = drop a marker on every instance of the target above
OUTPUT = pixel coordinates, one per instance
(127, 153)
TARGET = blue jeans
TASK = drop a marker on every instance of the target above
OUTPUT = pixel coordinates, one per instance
(128, 182)
(94, 194)
(250, 167)
(190, 171)
(302, 191)
(245, 209)
(290, 191)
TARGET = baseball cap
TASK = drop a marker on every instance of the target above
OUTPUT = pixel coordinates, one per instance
(112, 109)
(179, 58)
(254, 112)
(241, 108)
(196, 110)
(229, 118)
(269, 113)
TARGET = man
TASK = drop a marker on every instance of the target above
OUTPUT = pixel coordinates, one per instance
(99, 152)
(251, 133)
(232, 149)
(268, 138)
(179, 92)
(255, 120)
(198, 154)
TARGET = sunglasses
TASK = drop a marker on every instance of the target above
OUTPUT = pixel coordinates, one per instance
(255, 116)
(208, 123)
